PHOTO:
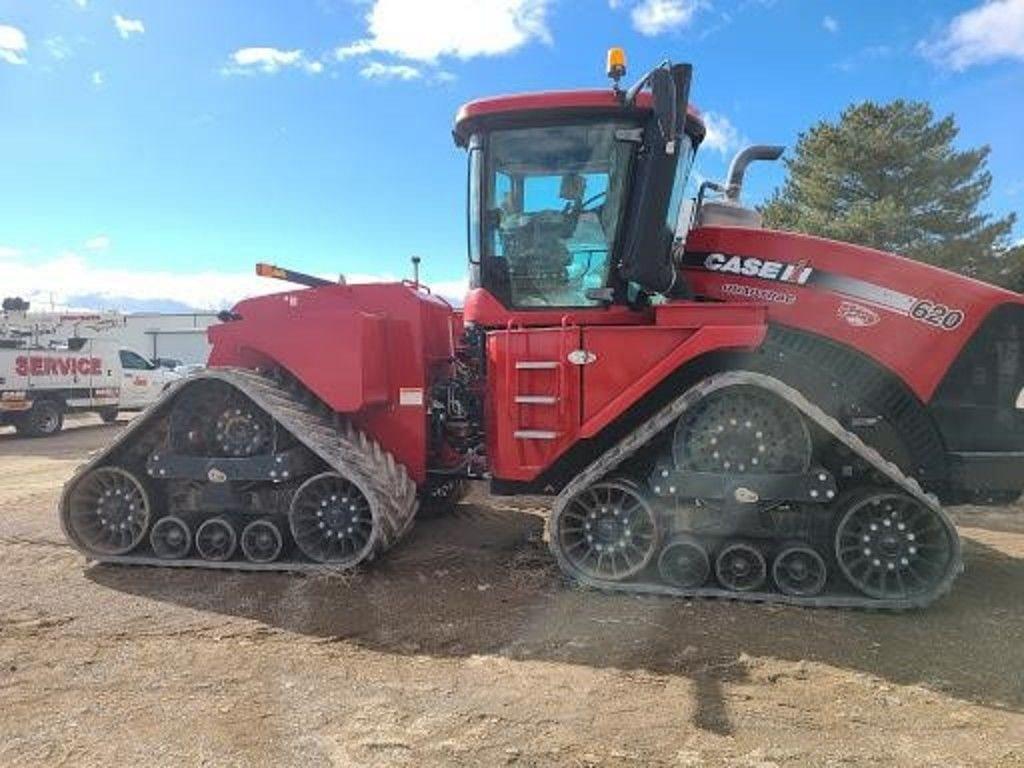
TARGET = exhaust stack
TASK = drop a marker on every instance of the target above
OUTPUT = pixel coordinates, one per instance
(743, 158)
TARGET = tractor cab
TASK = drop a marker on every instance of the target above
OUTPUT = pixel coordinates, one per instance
(573, 195)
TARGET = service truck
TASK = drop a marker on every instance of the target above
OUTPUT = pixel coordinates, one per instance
(40, 384)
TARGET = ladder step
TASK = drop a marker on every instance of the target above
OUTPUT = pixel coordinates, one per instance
(536, 365)
(534, 434)
(537, 399)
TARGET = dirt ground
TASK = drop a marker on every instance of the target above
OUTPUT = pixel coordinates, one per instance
(466, 647)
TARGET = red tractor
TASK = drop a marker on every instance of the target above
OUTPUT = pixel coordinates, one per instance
(717, 409)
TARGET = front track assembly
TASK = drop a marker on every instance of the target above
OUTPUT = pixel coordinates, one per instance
(743, 489)
(232, 469)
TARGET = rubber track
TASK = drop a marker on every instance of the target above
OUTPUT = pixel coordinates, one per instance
(344, 449)
(647, 431)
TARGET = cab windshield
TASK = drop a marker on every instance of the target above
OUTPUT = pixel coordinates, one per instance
(552, 202)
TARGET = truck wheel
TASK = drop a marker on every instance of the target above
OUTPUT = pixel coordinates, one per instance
(109, 415)
(44, 419)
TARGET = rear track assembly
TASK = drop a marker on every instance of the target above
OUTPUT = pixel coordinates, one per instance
(336, 498)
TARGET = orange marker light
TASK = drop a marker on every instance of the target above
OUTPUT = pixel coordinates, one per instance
(269, 270)
(616, 63)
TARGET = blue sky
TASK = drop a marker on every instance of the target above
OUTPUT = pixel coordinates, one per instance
(152, 151)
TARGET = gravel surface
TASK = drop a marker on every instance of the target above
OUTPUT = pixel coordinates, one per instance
(466, 647)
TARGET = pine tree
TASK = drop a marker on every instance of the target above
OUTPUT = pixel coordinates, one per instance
(888, 176)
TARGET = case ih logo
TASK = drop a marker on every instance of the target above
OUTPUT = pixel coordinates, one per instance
(35, 365)
(798, 273)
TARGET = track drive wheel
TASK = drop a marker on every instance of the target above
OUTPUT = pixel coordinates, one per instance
(684, 563)
(742, 429)
(332, 520)
(890, 546)
(108, 511)
(607, 531)
(741, 567)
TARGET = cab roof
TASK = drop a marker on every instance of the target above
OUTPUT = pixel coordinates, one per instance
(598, 101)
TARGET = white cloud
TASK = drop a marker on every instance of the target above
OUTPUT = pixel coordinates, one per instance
(12, 45)
(358, 48)
(97, 78)
(58, 47)
(68, 275)
(81, 3)
(422, 31)
(830, 24)
(9, 252)
(453, 290)
(97, 243)
(270, 61)
(721, 135)
(375, 70)
(128, 27)
(653, 17)
(987, 33)
(247, 61)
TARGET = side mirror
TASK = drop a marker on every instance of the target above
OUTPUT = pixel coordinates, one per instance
(670, 92)
(663, 92)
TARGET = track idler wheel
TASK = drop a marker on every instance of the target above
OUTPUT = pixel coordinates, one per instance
(684, 563)
(889, 545)
(216, 539)
(799, 571)
(108, 511)
(741, 567)
(331, 520)
(608, 531)
(171, 538)
(261, 542)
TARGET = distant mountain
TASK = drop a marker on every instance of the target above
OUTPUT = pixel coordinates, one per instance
(127, 304)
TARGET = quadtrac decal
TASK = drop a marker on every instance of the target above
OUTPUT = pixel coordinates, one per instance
(755, 293)
(799, 273)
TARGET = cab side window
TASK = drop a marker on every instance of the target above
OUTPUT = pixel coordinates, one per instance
(133, 362)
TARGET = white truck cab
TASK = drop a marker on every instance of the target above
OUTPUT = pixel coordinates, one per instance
(38, 385)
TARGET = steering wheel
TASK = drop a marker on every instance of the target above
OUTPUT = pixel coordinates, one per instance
(585, 205)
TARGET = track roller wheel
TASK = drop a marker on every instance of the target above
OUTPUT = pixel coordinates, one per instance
(741, 567)
(890, 545)
(261, 542)
(608, 531)
(332, 521)
(216, 539)
(170, 538)
(799, 571)
(684, 563)
(108, 511)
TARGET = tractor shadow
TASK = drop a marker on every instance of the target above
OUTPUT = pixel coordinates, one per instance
(481, 581)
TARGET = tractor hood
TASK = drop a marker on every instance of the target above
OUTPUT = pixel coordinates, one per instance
(859, 296)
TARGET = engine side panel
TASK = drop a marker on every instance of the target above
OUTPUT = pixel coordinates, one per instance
(365, 350)
(912, 318)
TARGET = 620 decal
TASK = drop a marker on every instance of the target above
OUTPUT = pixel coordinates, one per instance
(936, 314)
